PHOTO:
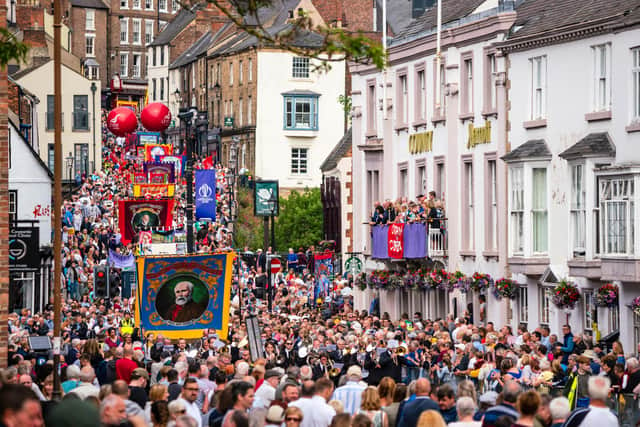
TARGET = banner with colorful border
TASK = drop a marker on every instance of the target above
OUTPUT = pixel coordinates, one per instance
(156, 151)
(154, 190)
(204, 281)
(144, 215)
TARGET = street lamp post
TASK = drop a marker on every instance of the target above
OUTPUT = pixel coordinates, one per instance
(187, 117)
(94, 88)
(69, 160)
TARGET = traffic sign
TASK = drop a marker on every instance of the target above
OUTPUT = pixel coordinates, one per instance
(353, 265)
(275, 265)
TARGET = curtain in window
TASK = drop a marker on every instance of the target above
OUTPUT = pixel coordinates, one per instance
(539, 210)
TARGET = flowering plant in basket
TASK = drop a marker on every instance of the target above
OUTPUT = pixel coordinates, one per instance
(396, 281)
(459, 281)
(566, 295)
(379, 279)
(504, 288)
(635, 306)
(439, 279)
(481, 282)
(607, 295)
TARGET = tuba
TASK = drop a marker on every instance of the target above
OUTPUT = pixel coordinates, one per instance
(400, 351)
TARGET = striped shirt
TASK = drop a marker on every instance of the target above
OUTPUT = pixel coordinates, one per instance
(350, 395)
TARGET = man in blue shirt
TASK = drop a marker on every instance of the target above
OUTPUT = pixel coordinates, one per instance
(412, 410)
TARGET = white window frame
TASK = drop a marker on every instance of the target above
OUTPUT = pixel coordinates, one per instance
(148, 31)
(240, 76)
(124, 4)
(635, 76)
(136, 37)
(90, 20)
(136, 66)
(124, 35)
(299, 163)
(578, 209)
(493, 76)
(136, 4)
(231, 73)
(403, 102)
(588, 306)
(544, 304)
(175, 6)
(250, 70)
(300, 67)
(148, 4)
(421, 92)
(90, 53)
(469, 206)
(492, 165)
(617, 198)
(249, 111)
(601, 78)
(124, 65)
(614, 318)
(540, 211)
(538, 94)
(467, 101)
(523, 304)
(517, 209)
(162, 5)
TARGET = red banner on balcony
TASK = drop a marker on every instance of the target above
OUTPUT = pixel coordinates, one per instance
(396, 241)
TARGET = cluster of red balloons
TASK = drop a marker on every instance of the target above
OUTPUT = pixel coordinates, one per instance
(155, 117)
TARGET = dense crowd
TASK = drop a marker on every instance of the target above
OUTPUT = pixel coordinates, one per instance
(424, 209)
(322, 363)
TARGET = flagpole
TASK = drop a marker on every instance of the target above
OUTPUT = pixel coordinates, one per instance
(438, 53)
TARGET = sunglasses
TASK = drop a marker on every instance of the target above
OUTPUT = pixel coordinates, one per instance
(289, 419)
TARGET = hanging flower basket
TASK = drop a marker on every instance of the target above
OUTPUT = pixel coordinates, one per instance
(505, 288)
(379, 279)
(635, 306)
(396, 281)
(361, 281)
(439, 279)
(566, 295)
(607, 295)
(459, 281)
(480, 282)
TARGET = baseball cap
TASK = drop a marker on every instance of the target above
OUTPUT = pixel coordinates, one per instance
(354, 371)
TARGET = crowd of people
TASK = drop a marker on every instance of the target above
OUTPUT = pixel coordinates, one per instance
(321, 364)
(425, 209)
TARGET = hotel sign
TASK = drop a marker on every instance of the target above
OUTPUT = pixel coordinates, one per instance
(481, 135)
(421, 142)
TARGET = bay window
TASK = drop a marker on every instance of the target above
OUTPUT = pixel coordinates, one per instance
(578, 209)
(617, 210)
(301, 112)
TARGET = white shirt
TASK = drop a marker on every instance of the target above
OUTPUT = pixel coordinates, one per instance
(599, 417)
(264, 395)
(317, 413)
(193, 411)
(85, 390)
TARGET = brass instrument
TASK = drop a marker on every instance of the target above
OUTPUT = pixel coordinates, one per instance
(334, 372)
(400, 351)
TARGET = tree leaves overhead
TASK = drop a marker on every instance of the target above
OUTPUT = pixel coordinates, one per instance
(337, 44)
(300, 221)
(11, 48)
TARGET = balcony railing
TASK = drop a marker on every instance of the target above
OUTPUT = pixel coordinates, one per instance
(410, 241)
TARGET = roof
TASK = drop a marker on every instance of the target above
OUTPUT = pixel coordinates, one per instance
(452, 10)
(33, 152)
(399, 14)
(174, 27)
(194, 51)
(24, 71)
(536, 17)
(301, 92)
(597, 144)
(338, 152)
(530, 150)
(89, 4)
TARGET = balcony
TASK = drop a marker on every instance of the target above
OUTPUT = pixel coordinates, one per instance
(409, 241)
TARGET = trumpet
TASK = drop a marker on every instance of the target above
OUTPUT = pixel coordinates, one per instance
(400, 351)
(334, 372)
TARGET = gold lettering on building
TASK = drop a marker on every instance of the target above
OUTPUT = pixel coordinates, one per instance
(421, 142)
(481, 135)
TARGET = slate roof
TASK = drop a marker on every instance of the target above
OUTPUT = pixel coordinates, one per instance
(399, 14)
(90, 4)
(536, 17)
(452, 10)
(593, 145)
(532, 149)
(338, 152)
(191, 54)
(175, 27)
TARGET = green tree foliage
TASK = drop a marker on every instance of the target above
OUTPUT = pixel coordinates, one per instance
(300, 221)
(11, 48)
(249, 228)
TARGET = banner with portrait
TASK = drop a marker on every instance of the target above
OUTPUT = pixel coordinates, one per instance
(178, 296)
(178, 163)
(154, 191)
(135, 216)
(155, 151)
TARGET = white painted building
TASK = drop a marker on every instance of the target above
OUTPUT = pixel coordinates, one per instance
(574, 168)
(30, 184)
(412, 135)
(298, 117)
(81, 128)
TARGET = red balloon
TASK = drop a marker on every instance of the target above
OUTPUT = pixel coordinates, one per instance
(155, 117)
(122, 121)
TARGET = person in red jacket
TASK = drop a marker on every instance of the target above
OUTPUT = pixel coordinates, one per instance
(125, 366)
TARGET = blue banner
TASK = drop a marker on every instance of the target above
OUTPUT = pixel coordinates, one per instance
(205, 194)
(117, 260)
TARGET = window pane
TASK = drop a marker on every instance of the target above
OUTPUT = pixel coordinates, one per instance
(539, 214)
